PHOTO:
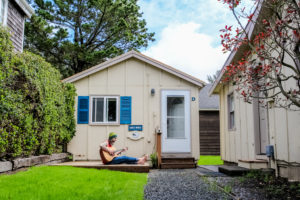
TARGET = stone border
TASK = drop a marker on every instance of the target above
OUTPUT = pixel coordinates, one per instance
(18, 163)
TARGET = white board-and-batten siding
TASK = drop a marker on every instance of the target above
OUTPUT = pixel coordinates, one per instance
(239, 143)
(134, 78)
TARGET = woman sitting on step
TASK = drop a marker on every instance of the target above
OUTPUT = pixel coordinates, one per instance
(110, 155)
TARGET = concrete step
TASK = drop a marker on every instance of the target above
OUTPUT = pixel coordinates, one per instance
(178, 160)
(178, 165)
(233, 170)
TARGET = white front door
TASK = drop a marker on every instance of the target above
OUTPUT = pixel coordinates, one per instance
(176, 123)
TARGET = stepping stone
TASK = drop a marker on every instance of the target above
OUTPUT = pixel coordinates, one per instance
(207, 172)
(233, 170)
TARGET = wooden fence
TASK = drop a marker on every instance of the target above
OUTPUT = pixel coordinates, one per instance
(209, 132)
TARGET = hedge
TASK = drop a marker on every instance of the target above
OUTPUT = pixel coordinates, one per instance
(36, 108)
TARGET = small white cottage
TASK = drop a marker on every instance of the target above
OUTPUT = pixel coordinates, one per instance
(135, 96)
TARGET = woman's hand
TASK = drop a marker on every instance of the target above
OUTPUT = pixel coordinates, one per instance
(111, 152)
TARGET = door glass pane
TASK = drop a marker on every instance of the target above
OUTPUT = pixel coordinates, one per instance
(175, 106)
(99, 109)
(175, 117)
(111, 104)
(175, 128)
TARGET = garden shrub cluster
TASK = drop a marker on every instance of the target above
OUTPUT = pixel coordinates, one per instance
(36, 108)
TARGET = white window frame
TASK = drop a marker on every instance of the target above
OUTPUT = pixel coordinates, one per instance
(230, 99)
(105, 122)
(5, 12)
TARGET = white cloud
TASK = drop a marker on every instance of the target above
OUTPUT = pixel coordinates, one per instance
(182, 46)
(211, 14)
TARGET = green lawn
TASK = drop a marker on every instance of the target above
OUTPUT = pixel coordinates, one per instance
(210, 160)
(50, 182)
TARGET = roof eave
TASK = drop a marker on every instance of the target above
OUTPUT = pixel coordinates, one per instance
(139, 56)
(26, 8)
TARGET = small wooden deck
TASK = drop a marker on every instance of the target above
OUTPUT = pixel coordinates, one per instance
(99, 165)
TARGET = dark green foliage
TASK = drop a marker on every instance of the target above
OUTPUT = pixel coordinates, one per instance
(154, 160)
(274, 187)
(36, 108)
(75, 35)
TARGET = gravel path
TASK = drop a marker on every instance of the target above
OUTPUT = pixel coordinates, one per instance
(179, 184)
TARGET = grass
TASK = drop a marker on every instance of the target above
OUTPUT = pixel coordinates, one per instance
(50, 182)
(210, 160)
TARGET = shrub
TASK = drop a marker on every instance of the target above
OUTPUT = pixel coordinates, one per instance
(36, 108)
(154, 160)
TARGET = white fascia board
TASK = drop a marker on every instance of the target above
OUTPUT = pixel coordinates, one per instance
(132, 54)
(27, 9)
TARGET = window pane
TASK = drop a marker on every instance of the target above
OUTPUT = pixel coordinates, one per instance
(94, 110)
(99, 110)
(231, 120)
(232, 103)
(111, 107)
(98, 106)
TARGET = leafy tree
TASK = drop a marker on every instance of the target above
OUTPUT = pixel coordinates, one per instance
(269, 67)
(212, 78)
(74, 35)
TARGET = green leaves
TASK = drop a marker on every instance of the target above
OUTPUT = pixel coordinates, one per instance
(36, 108)
(69, 34)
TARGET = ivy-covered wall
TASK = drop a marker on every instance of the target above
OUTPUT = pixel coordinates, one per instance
(36, 108)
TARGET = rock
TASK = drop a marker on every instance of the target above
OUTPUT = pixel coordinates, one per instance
(58, 156)
(31, 161)
(5, 166)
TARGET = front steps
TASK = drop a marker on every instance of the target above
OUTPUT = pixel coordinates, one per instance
(177, 161)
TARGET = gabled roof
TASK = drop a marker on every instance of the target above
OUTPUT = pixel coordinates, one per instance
(207, 102)
(250, 27)
(139, 56)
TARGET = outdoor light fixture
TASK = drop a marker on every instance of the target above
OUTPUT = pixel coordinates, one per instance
(152, 92)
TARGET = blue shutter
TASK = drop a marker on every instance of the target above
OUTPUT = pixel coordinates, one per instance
(125, 110)
(83, 110)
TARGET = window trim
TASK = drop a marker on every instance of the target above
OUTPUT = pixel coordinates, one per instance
(229, 103)
(5, 12)
(117, 122)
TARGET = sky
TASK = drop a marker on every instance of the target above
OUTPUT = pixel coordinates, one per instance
(187, 34)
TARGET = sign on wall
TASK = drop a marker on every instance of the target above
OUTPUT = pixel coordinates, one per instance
(135, 127)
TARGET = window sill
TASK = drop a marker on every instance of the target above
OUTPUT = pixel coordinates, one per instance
(232, 129)
(261, 157)
(104, 124)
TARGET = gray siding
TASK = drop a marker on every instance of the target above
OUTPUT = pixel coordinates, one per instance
(15, 22)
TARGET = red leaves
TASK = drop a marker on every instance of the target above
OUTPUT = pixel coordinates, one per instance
(250, 17)
(261, 63)
(296, 33)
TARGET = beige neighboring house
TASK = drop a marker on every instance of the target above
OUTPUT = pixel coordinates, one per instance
(136, 97)
(12, 15)
(246, 129)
